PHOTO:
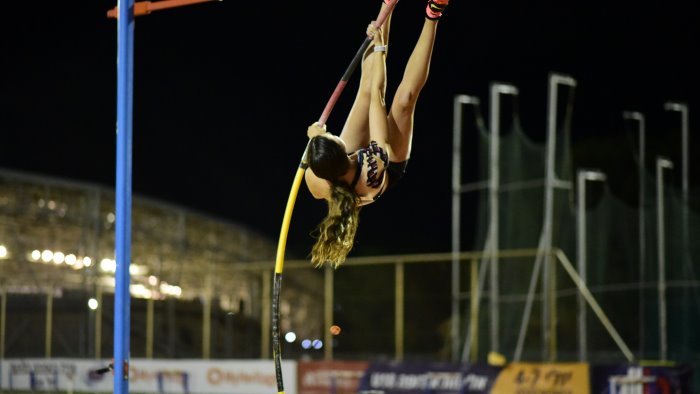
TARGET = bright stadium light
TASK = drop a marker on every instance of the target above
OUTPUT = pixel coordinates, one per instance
(290, 337)
(36, 255)
(170, 290)
(58, 258)
(71, 259)
(46, 256)
(87, 261)
(138, 270)
(140, 291)
(93, 304)
(108, 265)
(3, 252)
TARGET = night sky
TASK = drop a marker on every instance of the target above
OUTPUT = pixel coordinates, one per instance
(224, 91)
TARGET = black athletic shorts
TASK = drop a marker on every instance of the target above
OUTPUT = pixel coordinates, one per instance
(395, 172)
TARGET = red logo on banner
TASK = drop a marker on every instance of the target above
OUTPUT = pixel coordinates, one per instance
(323, 377)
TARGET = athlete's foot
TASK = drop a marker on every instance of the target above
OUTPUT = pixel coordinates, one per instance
(434, 9)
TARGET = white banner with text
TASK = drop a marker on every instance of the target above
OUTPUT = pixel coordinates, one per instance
(148, 376)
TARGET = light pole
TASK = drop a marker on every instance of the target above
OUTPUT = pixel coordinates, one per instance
(582, 177)
(642, 222)
(682, 108)
(457, 190)
(661, 164)
(497, 89)
(545, 246)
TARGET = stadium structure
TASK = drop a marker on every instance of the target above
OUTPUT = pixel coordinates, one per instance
(196, 284)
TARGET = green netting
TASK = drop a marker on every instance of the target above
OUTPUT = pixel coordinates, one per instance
(622, 269)
(521, 213)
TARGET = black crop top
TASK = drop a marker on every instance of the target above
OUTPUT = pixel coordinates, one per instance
(374, 179)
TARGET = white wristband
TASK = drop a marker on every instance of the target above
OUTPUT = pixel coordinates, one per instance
(380, 48)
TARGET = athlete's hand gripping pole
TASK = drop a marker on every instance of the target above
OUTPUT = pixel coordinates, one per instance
(279, 264)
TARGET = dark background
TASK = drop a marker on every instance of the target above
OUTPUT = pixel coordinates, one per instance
(224, 91)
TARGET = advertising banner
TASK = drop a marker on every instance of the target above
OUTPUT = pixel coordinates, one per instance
(632, 379)
(149, 376)
(428, 378)
(543, 378)
(323, 377)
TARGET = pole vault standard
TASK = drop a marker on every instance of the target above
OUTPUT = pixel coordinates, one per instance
(303, 165)
(122, 236)
(125, 12)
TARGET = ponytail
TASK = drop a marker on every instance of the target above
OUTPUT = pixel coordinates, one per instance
(335, 235)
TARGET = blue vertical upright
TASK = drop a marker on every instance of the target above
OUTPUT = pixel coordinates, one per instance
(125, 82)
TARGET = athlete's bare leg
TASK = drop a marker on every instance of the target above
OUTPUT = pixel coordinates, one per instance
(355, 132)
(404, 102)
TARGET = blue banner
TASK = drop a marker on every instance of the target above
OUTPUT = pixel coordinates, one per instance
(428, 378)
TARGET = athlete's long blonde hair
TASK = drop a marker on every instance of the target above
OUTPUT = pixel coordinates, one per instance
(335, 235)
